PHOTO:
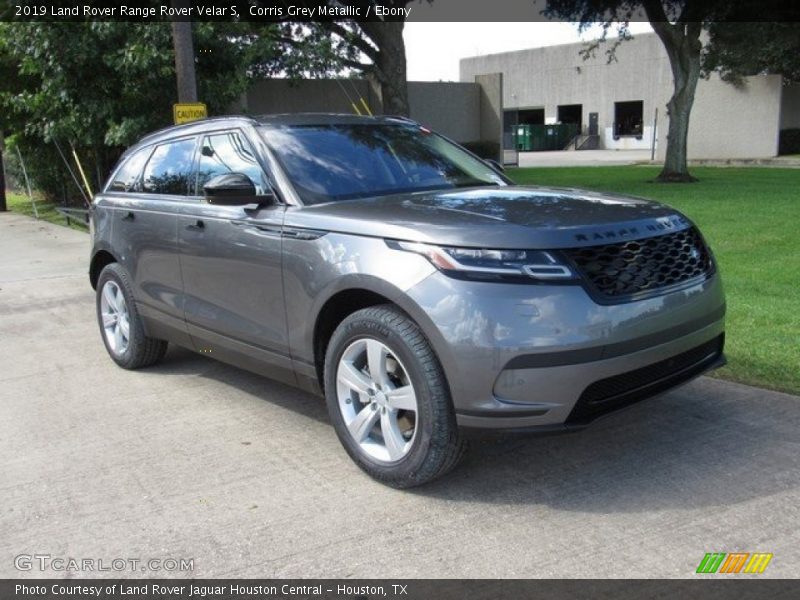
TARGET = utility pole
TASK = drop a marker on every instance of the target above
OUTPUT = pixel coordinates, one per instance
(3, 205)
(184, 56)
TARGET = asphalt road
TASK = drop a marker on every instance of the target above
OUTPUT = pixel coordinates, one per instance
(195, 459)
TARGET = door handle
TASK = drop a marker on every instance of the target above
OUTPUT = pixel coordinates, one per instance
(198, 225)
(258, 228)
(129, 216)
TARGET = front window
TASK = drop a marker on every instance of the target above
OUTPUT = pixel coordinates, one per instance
(357, 160)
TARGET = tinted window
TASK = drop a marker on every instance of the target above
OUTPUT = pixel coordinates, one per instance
(126, 179)
(341, 161)
(229, 152)
(169, 170)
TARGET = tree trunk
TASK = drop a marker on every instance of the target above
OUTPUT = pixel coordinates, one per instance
(100, 164)
(3, 205)
(184, 58)
(683, 46)
(390, 66)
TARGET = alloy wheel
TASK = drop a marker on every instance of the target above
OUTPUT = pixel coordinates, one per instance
(115, 316)
(377, 400)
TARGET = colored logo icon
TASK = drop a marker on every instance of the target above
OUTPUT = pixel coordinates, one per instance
(734, 562)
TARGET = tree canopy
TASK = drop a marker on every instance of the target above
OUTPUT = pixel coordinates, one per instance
(101, 85)
(373, 48)
(737, 50)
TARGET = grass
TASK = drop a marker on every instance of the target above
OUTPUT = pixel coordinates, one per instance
(20, 203)
(751, 218)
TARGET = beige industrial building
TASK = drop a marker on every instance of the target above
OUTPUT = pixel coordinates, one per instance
(618, 101)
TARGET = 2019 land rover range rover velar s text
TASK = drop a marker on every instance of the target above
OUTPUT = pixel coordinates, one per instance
(410, 282)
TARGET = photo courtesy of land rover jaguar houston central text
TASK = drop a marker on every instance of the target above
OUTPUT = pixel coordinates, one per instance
(410, 282)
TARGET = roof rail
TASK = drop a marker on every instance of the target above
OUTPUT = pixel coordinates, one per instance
(193, 123)
(400, 118)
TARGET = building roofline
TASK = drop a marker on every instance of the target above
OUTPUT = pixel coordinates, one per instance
(561, 45)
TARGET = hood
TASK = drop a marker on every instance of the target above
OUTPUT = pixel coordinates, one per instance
(495, 217)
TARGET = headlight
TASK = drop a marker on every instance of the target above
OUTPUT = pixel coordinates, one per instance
(489, 264)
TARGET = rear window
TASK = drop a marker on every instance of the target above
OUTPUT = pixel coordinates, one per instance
(126, 178)
(169, 170)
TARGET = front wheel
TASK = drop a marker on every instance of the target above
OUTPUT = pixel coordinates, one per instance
(389, 400)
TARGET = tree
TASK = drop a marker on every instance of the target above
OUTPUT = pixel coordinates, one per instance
(9, 76)
(101, 85)
(372, 48)
(736, 50)
(184, 58)
(678, 24)
(3, 205)
(383, 45)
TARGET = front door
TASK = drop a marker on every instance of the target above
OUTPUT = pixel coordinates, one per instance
(231, 265)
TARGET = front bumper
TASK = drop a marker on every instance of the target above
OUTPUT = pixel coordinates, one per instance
(535, 357)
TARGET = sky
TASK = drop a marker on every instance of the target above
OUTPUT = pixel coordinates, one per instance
(434, 49)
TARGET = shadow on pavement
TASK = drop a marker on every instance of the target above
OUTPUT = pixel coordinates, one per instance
(709, 443)
(180, 361)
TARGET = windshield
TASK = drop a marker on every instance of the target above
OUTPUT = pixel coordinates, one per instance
(356, 160)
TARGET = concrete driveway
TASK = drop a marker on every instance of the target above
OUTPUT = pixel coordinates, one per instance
(197, 460)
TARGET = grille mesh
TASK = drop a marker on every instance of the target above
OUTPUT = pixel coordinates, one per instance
(640, 266)
(612, 393)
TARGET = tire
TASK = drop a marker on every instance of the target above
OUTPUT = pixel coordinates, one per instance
(428, 444)
(136, 350)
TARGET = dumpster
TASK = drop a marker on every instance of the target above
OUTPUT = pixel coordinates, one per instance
(535, 138)
(522, 138)
(552, 137)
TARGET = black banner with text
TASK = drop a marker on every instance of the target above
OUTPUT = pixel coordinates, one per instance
(361, 10)
(412, 589)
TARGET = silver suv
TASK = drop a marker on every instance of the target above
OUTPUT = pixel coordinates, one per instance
(376, 262)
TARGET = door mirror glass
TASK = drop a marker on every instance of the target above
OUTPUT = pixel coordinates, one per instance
(233, 189)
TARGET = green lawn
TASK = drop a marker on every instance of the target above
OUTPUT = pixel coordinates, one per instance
(20, 203)
(751, 218)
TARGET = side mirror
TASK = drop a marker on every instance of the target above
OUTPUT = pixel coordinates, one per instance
(233, 189)
(494, 165)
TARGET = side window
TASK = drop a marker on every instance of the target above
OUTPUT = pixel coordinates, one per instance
(169, 170)
(126, 179)
(229, 152)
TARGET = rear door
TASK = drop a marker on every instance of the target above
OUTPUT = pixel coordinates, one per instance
(146, 194)
(231, 264)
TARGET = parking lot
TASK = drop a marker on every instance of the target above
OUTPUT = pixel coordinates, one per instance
(199, 460)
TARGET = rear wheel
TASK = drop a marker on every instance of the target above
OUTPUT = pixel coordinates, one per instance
(388, 398)
(120, 324)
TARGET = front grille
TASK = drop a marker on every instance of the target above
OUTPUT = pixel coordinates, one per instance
(612, 393)
(617, 272)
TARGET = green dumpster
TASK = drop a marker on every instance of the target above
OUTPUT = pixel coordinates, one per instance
(522, 138)
(551, 137)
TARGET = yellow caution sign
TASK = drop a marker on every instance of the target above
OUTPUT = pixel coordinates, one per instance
(184, 113)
